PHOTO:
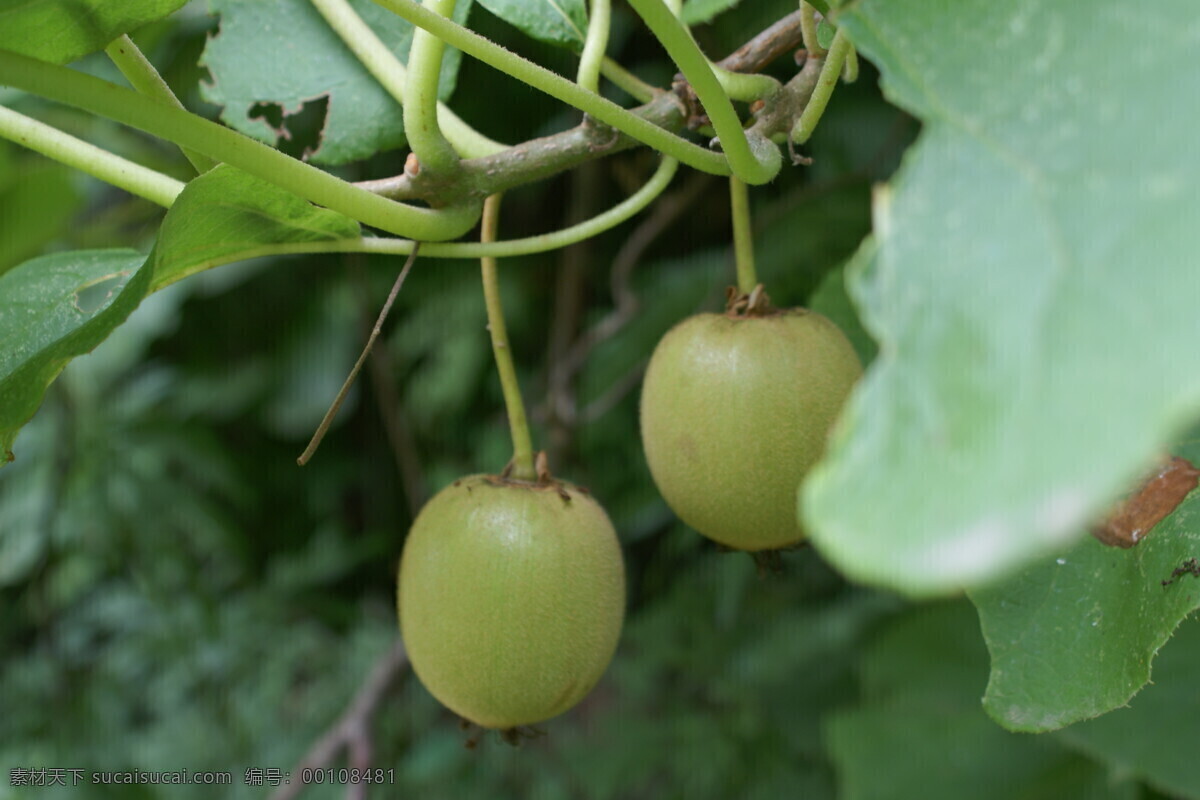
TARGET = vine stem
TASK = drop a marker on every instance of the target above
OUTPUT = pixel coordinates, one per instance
(393, 76)
(523, 468)
(744, 86)
(830, 72)
(222, 144)
(86, 157)
(513, 247)
(559, 87)
(756, 160)
(623, 79)
(592, 58)
(142, 76)
(743, 236)
(421, 127)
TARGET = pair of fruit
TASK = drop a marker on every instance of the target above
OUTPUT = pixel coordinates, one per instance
(511, 594)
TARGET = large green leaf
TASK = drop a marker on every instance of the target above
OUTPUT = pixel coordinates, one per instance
(1073, 636)
(919, 731)
(1032, 284)
(227, 215)
(64, 30)
(1155, 738)
(52, 309)
(271, 58)
(561, 22)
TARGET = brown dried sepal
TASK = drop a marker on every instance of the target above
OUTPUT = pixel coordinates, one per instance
(1158, 495)
(755, 304)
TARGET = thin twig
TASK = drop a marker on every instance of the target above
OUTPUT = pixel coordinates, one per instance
(387, 401)
(352, 730)
(323, 428)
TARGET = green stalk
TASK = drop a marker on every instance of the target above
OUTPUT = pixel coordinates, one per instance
(808, 30)
(392, 76)
(633, 86)
(433, 152)
(86, 157)
(142, 76)
(222, 144)
(745, 86)
(559, 87)
(754, 162)
(513, 247)
(592, 58)
(522, 461)
(830, 72)
(743, 236)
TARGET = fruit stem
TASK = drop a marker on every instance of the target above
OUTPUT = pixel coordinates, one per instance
(522, 461)
(743, 237)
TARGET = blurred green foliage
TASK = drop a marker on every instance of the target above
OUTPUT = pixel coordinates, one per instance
(177, 594)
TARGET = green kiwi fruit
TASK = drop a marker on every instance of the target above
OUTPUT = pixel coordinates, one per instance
(511, 598)
(735, 409)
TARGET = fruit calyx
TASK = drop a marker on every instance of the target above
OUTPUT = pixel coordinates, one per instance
(755, 303)
(544, 479)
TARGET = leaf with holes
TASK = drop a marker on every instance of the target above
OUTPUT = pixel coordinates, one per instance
(297, 86)
(52, 309)
(64, 30)
(560, 22)
(1033, 286)
(227, 215)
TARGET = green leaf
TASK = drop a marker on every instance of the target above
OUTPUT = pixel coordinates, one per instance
(227, 215)
(64, 30)
(560, 22)
(1155, 738)
(919, 731)
(281, 72)
(1072, 637)
(1033, 289)
(52, 309)
(699, 12)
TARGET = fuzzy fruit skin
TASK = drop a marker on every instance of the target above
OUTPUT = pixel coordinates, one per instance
(511, 598)
(734, 411)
